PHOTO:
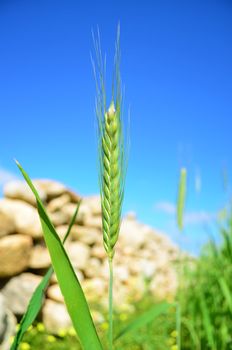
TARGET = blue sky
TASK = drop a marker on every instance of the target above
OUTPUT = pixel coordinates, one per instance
(177, 72)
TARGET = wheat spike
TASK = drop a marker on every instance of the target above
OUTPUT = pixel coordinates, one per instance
(111, 178)
(111, 148)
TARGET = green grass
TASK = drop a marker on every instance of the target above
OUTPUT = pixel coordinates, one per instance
(158, 334)
(207, 302)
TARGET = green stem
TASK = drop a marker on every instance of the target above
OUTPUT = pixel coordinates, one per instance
(111, 281)
(179, 299)
(178, 325)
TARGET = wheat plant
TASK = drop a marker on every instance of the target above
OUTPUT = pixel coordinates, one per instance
(112, 178)
(111, 156)
(179, 218)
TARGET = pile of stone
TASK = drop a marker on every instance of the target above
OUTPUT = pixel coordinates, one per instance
(7, 324)
(144, 259)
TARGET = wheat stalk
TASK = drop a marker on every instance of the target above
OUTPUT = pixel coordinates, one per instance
(111, 149)
(111, 155)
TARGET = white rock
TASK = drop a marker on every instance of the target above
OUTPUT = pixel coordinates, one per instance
(121, 273)
(7, 325)
(79, 254)
(58, 218)
(18, 189)
(14, 254)
(133, 234)
(55, 294)
(51, 188)
(19, 290)
(87, 235)
(24, 217)
(143, 267)
(7, 225)
(39, 258)
(57, 203)
(95, 288)
(83, 212)
(55, 317)
(94, 202)
(61, 231)
(93, 221)
(98, 251)
(93, 268)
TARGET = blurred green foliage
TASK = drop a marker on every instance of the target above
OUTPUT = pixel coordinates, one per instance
(206, 304)
(207, 290)
(158, 334)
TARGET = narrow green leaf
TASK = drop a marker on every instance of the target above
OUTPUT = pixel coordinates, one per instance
(207, 322)
(33, 309)
(144, 319)
(226, 292)
(70, 287)
(72, 222)
(38, 296)
(190, 326)
(181, 198)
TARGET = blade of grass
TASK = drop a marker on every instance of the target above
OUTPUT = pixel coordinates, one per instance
(69, 284)
(207, 322)
(180, 214)
(192, 332)
(226, 292)
(144, 319)
(38, 296)
(181, 198)
(33, 309)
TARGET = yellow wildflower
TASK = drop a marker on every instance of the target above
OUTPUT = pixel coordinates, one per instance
(51, 339)
(24, 346)
(40, 327)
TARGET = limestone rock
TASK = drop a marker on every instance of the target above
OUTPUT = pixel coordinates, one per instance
(83, 212)
(79, 254)
(87, 235)
(55, 294)
(61, 231)
(55, 317)
(95, 288)
(7, 325)
(93, 268)
(14, 254)
(51, 188)
(18, 291)
(121, 273)
(133, 234)
(94, 203)
(57, 203)
(22, 215)
(17, 189)
(143, 267)
(58, 218)
(93, 221)
(55, 189)
(7, 225)
(98, 251)
(39, 258)
(144, 258)
(2, 316)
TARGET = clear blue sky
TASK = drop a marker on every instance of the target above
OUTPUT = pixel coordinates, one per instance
(177, 72)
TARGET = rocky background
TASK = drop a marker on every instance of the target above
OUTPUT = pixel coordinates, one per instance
(144, 259)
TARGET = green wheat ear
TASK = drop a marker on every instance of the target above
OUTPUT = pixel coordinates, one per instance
(111, 150)
(111, 178)
(181, 198)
